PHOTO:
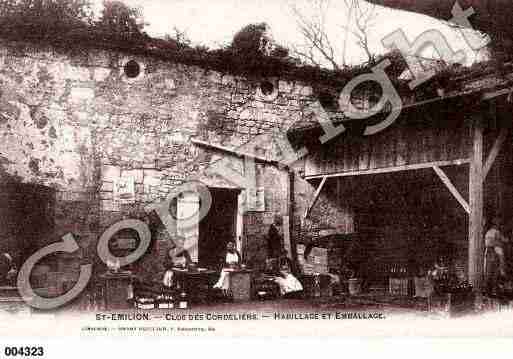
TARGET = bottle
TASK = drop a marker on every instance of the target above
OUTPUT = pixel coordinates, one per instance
(170, 301)
(175, 298)
(146, 303)
(160, 302)
(130, 292)
(95, 302)
(183, 301)
(317, 286)
(150, 304)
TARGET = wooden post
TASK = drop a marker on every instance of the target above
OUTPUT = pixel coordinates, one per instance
(494, 152)
(452, 188)
(476, 222)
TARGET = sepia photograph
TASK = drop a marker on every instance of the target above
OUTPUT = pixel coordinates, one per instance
(255, 168)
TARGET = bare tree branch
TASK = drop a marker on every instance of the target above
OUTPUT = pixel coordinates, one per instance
(350, 7)
(318, 47)
(317, 40)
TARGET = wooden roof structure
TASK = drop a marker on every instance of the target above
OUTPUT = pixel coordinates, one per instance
(465, 127)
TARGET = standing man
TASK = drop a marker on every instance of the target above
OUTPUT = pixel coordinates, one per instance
(275, 241)
(495, 262)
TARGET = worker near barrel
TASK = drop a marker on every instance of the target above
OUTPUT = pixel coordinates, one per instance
(494, 259)
(274, 244)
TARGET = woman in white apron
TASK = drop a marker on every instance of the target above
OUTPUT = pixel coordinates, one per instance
(287, 282)
(231, 260)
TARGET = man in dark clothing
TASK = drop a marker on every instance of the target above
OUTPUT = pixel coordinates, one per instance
(275, 239)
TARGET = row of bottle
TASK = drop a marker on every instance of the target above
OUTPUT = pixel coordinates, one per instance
(398, 271)
(162, 301)
(93, 302)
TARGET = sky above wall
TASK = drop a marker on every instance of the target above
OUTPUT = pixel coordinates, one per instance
(213, 23)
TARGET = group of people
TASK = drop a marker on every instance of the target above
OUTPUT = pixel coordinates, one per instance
(278, 264)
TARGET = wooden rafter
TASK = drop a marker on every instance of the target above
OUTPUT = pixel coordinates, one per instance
(234, 152)
(316, 197)
(452, 188)
(494, 152)
(393, 169)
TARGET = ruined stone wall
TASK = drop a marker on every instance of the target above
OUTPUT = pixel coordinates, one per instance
(75, 122)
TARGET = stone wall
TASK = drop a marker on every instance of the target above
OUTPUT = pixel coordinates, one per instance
(76, 123)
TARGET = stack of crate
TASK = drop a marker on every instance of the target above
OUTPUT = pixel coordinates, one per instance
(163, 247)
(306, 267)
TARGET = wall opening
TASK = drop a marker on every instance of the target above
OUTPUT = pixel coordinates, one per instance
(132, 69)
(218, 227)
(27, 219)
(267, 88)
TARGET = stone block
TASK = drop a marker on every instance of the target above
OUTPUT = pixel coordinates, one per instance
(306, 91)
(152, 177)
(246, 114)
(285, 86)
(110, 173)
(78, 94)
(101, 74)
(106, 195)
(215, 77)
(138, 175)
(107, 186)
(110, 206)
(294, 103)
(228, 80)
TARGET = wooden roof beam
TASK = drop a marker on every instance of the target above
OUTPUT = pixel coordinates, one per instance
(412, 167)
(494, 152)
(452, 188)
(316, 197)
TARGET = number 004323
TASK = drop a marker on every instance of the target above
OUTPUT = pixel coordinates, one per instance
(12, 352)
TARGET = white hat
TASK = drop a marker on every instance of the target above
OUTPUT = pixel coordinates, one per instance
(8, 256)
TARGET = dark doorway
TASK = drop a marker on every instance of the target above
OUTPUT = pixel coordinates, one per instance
(218, 227)
(26, 218)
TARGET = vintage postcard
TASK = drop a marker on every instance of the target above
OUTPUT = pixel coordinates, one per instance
(255, 168)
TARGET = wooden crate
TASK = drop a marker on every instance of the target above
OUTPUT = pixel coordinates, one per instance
(316, 262)
(423, 287)
(453, 304)
(240, 286)
(310, 282)
(398, 286)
